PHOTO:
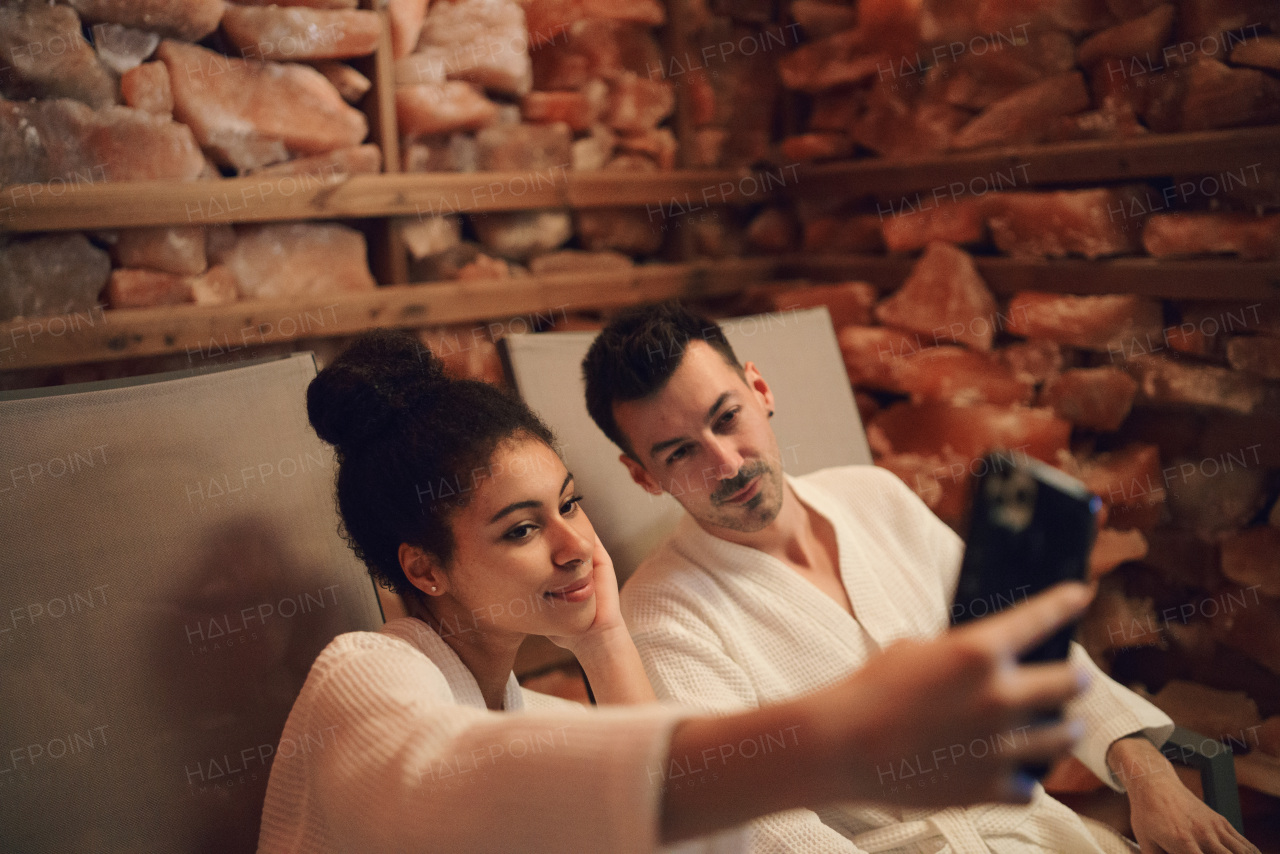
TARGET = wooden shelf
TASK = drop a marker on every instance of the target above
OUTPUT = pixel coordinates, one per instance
(1020, 167)
(1211, 278)
(212, 332)
(273, 197)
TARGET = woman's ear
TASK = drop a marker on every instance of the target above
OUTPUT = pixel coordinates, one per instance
(423, 570)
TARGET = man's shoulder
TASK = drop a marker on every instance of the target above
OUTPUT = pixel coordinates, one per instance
(668, 578)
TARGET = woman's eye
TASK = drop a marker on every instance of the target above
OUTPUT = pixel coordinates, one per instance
(520, 532)
(571, 506)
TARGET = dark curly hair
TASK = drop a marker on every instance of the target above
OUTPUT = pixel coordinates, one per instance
(403, 431)
(635, 355)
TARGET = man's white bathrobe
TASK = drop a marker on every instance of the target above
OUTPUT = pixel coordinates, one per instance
(723, 626)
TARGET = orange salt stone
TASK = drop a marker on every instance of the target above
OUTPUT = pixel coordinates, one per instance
(626, 230)
(977, 78)
(972, 431)
(1208, 94)
(1116, 621)
(1103, 323)
(821, 18)
(246, 114)
(168, 249)
(576, 109)
(145, 288)
(945, 298)
(287, 34)
(43, 55)
(1259, 356)
(1093, 398)
(406, 18)
(546, 18)
(897, 124)
(1214, 318)
(1129, 477)
(942, 483)
(1112, 548)
(816, 146)
(484, 267)
(1254, 238)
(1162, 380)
(216, 286)
(854, 233)
(839, 59)
(915, 222)
(60, 139)
(1252, 558)
(1026, 115)
(351, 84)
(636, 104)
(960, 377)
(848, 303)
(1198, 19)
(1260, 52)
(1093, 223)
(659, 145)
(436, 108)
(146, 87)
(298, 260)
(870, 353)
(357, 160)
(1037, 361)
(189, 20)
(1214, 496)
(1143, 37)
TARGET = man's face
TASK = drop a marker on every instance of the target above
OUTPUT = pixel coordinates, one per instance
(705, 439)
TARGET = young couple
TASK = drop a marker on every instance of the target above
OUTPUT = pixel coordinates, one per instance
(799, 624)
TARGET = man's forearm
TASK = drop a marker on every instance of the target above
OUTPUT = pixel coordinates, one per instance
(1134, 758)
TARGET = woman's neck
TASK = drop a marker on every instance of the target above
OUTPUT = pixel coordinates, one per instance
(489, 656)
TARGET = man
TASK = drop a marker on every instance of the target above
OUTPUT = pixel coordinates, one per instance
(772, 585)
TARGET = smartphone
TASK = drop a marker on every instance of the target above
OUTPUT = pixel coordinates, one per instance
(1030, 527)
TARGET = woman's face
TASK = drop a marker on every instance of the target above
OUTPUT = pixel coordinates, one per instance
(522, 548)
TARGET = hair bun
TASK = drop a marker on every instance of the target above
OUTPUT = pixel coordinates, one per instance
(383, 374)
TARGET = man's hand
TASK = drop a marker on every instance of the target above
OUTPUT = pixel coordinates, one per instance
(1166, 817)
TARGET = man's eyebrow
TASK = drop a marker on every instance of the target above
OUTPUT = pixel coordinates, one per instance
(523, 505)
(659, 447)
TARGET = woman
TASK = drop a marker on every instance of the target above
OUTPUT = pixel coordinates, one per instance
(452, 494)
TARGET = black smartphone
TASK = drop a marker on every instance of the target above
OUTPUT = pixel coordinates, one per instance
(1030, 527)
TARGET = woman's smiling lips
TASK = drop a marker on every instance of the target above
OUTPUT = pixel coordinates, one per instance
(578, 591)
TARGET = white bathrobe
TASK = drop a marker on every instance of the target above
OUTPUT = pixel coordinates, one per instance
(389, 747)
(724, 626)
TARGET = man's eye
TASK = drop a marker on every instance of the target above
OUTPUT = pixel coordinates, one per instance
(729, 417)
(678, 454)
(521, 532)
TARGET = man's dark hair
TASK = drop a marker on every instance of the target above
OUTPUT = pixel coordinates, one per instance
(636, 354)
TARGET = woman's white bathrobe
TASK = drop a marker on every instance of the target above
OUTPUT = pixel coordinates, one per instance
(389, 747)
(724, 626)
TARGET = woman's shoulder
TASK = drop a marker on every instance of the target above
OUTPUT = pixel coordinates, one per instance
(391, 657)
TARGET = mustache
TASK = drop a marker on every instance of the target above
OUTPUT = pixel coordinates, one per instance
(739, 481)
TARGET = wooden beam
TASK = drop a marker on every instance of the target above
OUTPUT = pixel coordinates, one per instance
(205, 332)
(1237, 153)
(1211, 278)
(293, 197)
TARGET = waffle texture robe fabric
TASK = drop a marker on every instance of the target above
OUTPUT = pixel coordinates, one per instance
(722, 626)
(389, 747)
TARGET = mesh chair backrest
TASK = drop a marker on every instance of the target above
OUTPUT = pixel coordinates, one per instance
(170, 569)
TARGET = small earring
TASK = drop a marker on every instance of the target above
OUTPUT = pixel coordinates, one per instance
(770, 413)
(433, 588)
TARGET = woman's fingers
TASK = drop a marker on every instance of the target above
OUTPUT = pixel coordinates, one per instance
(1044, 687)
(1021, 629)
